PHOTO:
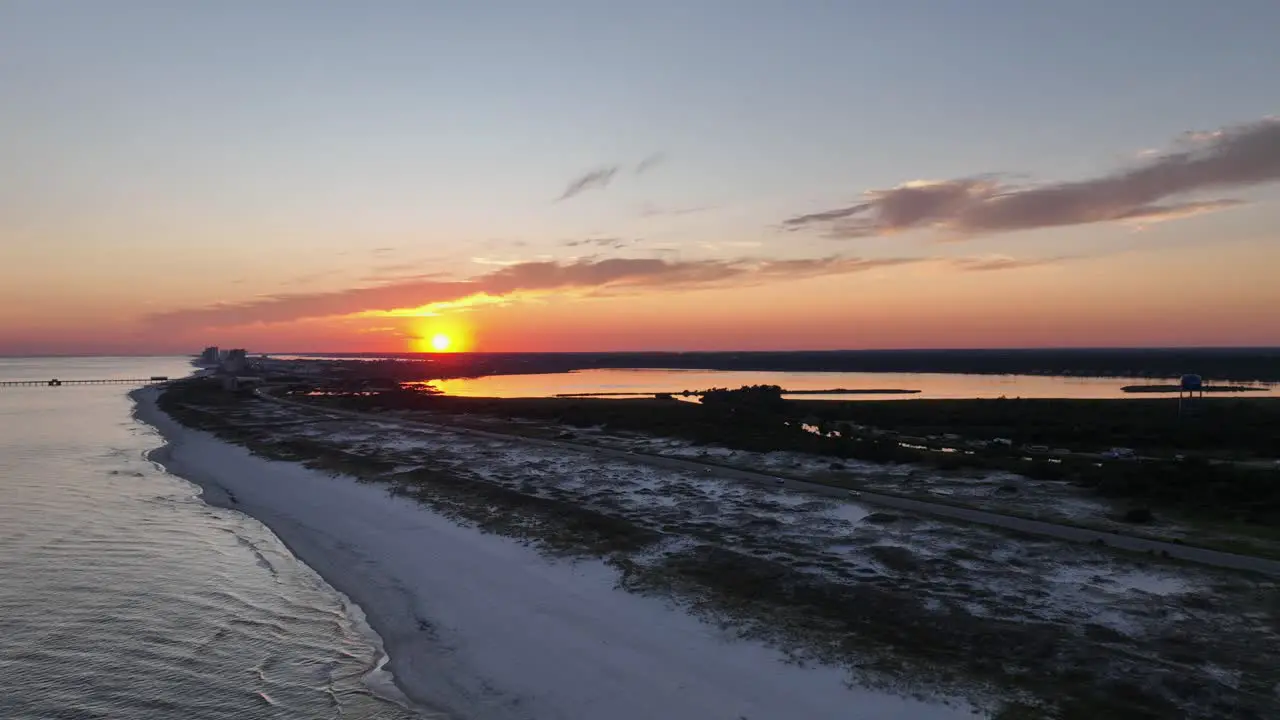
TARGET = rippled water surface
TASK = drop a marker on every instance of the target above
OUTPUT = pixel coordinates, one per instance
(123, 596)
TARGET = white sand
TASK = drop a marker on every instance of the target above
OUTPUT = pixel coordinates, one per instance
(487, 629)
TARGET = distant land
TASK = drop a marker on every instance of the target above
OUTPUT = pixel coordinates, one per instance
(690, 393)
(1204, 389)
(1234, 364)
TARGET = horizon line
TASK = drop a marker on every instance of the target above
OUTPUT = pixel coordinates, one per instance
(1060, 348)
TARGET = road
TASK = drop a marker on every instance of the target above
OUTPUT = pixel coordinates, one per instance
(1200, 556)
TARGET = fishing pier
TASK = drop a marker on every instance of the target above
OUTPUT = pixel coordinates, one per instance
(55, 382)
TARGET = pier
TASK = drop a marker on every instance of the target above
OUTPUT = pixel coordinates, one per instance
(55, 382)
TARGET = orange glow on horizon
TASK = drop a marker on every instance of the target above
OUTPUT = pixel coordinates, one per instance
(1172, 298)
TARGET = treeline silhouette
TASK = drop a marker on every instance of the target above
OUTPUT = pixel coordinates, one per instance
(1236, 425)
(752, 397)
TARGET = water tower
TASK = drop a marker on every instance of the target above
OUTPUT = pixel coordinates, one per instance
(1189, 387)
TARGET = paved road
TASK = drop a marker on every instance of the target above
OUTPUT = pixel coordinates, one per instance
(1069, 533)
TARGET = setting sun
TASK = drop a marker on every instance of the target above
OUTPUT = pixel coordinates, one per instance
(439, 336)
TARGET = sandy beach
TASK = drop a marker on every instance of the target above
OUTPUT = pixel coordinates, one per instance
(480, 626)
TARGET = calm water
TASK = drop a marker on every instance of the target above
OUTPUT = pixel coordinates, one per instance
(123, 596)
(930, 385)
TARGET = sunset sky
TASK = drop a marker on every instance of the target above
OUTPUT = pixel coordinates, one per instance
(592, 175)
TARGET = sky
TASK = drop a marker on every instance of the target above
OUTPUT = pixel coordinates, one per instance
(585, 175)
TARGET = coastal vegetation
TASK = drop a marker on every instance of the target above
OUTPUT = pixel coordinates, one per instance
(1204, 464)
(1218, 427)
(911, 604)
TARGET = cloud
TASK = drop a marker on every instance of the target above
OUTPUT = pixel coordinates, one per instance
(602, 242)
(377, 252)
(650, 163)
(833, 265)
(500, 262)
(603, 176)
(401, 271)
(723, 244)
(826, 215)
(1235, 157)
(1178, 211)
(1001, 262)
(513, 280)
(312, 277)
(650, 210)
(396, 267)
(597, 179)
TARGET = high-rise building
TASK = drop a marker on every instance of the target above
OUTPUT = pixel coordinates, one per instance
(236, 361)
(209, 356)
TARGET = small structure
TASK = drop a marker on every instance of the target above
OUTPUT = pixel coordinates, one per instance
(1189, 387)
(238, 383)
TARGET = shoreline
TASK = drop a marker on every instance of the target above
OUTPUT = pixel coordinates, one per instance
(216, 494)
(1223, 364)
(481, 626)
(1170, 389)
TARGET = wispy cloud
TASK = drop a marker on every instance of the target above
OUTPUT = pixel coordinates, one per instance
(601, 242)
(597, 179)
(1002, 262)
(650, 162)
(1178, 211)
(603, 176)
(513, 280)
(827, 215)
(312, 277)
(730, 244)
(401, 271)
(649, 210)
(396, 267)
(499, 262)
(833, 265)
(1231, 158)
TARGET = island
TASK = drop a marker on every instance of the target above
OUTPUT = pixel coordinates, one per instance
(1206, 388)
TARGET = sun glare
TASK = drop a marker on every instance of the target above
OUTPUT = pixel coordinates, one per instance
(436, 335)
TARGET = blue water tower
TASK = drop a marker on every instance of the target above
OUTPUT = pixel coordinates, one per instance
(1189, 387)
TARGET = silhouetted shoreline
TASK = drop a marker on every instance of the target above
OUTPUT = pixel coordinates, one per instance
(1227, 364)
(835, 391)
(1178, 388)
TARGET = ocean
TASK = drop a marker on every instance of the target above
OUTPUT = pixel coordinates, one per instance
(123, 595)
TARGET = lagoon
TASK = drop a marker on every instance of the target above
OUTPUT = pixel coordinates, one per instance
(931, 386)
